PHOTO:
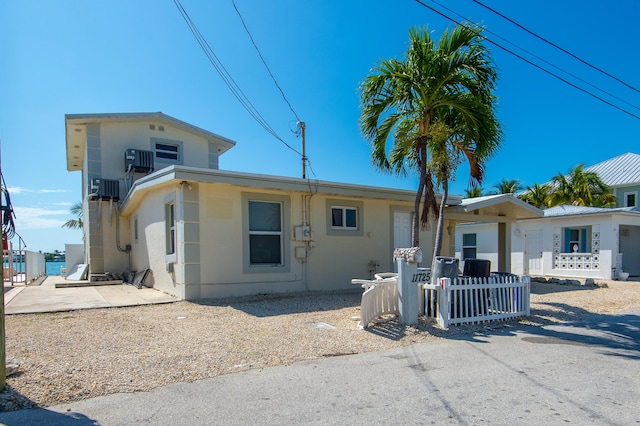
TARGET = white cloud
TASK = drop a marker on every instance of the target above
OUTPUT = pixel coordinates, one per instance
(53, 191)
(17, 190)
(21, 190)
(38, 218)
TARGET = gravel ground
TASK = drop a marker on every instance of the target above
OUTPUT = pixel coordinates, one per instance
(69, 356)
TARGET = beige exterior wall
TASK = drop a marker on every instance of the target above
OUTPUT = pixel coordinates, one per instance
(104, 158)
(149, 249)
(217, 256)
(118, 137)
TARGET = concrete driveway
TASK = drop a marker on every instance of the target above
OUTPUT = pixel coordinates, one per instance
(45, 297)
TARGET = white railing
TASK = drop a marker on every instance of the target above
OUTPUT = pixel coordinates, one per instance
(22, 265)
(472, 300)
(379, 298)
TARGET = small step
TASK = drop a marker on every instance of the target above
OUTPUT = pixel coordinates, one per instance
(87, 283)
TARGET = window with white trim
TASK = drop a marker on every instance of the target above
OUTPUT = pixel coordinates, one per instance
(265, 233)
(469, 246)
(170, 227)
(344, 218)
(135, 229)
(167, 151)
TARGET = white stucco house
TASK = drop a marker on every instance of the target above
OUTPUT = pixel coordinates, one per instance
(155, 199)
(571, 241)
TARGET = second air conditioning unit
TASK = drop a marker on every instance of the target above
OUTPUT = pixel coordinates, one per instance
(139, 160)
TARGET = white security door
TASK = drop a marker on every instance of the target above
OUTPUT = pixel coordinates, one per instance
(401, 229)
(533, 252)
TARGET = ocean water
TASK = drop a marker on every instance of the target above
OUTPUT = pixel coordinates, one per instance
(53, 268)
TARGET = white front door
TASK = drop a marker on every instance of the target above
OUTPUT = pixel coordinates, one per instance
(401, 230)
(533, 252)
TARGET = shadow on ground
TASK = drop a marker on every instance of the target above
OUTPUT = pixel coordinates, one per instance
(547, 288)
(561, 324)
(268, 305)
(13, 402)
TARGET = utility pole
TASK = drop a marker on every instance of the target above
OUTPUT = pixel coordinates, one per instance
(302, 128)
(3, 355)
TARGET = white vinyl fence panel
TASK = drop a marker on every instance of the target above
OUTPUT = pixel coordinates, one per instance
(464, 300)
(22, 266)
(469, 300)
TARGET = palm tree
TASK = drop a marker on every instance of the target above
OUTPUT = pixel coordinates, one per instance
(76, 210)
(437, 107)
(581, 188)
(473, 192)
(506, 186)
(538, 195)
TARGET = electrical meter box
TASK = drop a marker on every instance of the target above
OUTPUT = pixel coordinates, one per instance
(302, 233)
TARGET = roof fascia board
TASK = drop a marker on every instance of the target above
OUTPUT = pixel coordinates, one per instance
(482, 218)
(623, 213)
(267, 182)
(291, 184)
(226, 143)
(496, 201)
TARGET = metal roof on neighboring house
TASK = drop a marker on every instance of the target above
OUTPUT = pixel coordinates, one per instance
(569, 210)
(619, 171)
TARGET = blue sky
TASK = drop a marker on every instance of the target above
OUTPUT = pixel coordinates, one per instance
(71, 57)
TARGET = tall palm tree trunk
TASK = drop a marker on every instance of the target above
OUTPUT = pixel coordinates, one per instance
(422, 165)
(415, 226)
(437, 247)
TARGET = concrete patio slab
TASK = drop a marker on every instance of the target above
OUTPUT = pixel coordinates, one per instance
(47, 298)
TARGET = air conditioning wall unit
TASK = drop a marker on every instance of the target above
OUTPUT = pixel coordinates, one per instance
(105, 189)
(139, 160)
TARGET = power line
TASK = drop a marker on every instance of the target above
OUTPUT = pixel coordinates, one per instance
(226, 77)
(528, 61)
(544, 60)
(263, 61)
(556, 46)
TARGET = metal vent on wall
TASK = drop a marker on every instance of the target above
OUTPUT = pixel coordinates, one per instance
(138, 160)
(105, 189)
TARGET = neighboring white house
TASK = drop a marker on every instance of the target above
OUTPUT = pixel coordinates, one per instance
(154, 198)
(571, 241)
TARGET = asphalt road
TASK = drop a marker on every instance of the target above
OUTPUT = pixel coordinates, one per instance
(581, 373)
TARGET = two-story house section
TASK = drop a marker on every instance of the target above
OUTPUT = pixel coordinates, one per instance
(114, 150)
(622, 174)
(155, 199)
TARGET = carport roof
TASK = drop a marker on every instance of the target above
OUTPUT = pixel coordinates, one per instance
(501, 205)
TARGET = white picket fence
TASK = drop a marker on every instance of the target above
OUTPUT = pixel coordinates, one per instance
(467, 300)
(464, 300)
